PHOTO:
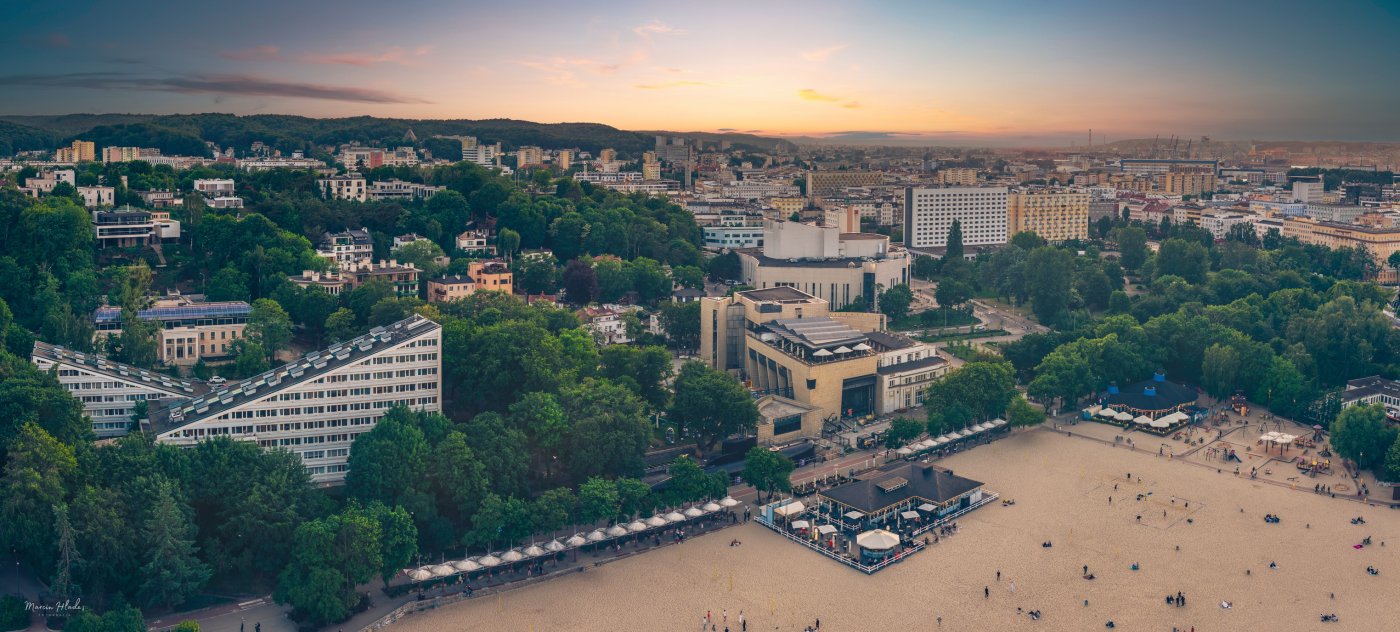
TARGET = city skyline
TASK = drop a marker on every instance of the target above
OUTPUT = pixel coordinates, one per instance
(1014, 73)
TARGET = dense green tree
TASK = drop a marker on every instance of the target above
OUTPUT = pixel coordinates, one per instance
(173, 571)
(903, 430)
(330, 557)
(681, 322)
(1392, 462)
(36, 470)
(767, 471)
(126, 619)
(726, 267)
(688, 481)
(537, 274)
(269, 326)
(1360, 433)
(689, 276)
(456, 477)
(553, 509)
(341, 326)
(1132, 246)
(1048, 282)
(649, 279)
(894, 302)
(507, 242)
(228, 284)
(597, 500)
(711, 404)
(28, 395)
(389, 463)
(645, 370)
(1186, 259)
(1020, 413)
(984, 388)
(363, 298)
(503, 451)
(955, 241)
(609, 433)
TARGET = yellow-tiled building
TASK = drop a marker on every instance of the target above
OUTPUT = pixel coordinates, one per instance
(1054, 215)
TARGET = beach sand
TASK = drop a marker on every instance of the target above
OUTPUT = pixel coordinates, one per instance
(1061, 487)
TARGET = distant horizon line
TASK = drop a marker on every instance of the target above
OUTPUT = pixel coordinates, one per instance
(1008, 139)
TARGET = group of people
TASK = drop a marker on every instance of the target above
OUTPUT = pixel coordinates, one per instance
(1323, 489)
(709, 622)
(1371, 570)
(1178, 600)
(1271, 519)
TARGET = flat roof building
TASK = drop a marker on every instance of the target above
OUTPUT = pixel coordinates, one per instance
(981, 213)
(109, 391)
(317, 406)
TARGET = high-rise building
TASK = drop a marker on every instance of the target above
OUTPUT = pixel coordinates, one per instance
(651, 166)
(1054, 215)
(529, 157)
(980, 211)
(564, 158)
(317, 406)
(607, 155)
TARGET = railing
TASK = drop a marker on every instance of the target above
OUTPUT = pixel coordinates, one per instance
(986, 498)
(913, 547)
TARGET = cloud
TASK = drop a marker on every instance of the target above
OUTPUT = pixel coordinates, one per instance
(822, 53)
(656, 27)
(808, 94)
(670, 84)
(561, 70)
(225, 85)
(58, 40)
(391, 55)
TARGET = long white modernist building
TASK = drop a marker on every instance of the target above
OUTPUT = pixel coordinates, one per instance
(109, 390)
(316, 406)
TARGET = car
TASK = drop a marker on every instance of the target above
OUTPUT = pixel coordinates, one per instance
(217, 379)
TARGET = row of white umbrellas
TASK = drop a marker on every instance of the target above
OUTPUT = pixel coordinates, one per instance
(468, 565)
(929, 444)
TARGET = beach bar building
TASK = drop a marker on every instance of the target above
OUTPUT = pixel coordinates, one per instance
(1156, 406)
(886, 497)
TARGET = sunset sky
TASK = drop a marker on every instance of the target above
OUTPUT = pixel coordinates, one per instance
(1029, 71)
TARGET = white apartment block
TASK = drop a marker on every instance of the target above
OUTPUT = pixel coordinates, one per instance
(214, 187)
(400, 190)
(484, 155)
(94, 197)
(345, 187)
(929, 214)
(109, 390)
(317, 406)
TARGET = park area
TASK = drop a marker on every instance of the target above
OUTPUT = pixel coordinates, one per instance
(1172, 525)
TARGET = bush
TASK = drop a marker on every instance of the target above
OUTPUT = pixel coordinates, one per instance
(13, 614)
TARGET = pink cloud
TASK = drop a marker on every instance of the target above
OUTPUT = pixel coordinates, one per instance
(391, 55)
(58, 40)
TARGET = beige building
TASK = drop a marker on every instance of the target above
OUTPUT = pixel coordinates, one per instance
(957, 176)
(1179, 183)
(493, 276)
(829, 183)
(333, 283)
(1054, 215)
(529, 156)
(450, 288)
(785, 342)
(1377, 234)
(651, 166)
(346, 187)
(189, 331)
(786, 206)
(782, 420)
(80, 151)
(838, 267)
(906, 369)
(607, 155)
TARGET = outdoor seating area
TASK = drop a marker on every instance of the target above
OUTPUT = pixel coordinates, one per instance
(877, 519)
(1160, 426)
(953, 438)
(557, 549)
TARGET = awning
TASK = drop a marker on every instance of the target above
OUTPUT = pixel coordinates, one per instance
(616, 531)
(574, 540)
(1108, 413)
(488, 561)
(1142, 420)
(1124, 416)
(826, 529)
(927, 507)
(998, 422)
(533, 551)
(656, 521)
(709, 507)
(877, 540)
(694, 512)
(909, 515)
(597, 535)
(791, 509)
(636, 526)
(821, 353)
(512, 556)
(466, 566)
(800, 524)
(441, 570)
(854, 515)
(674, 517)
(728, 501)
(904, 452)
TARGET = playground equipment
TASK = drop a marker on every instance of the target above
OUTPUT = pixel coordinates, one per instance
(1314, 466)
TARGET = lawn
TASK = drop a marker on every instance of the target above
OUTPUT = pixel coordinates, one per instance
(934, 318)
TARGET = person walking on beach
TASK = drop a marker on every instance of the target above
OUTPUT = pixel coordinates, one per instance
(998, 574)
(986, 592)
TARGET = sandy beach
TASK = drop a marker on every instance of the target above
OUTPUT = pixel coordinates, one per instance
(1061, 486)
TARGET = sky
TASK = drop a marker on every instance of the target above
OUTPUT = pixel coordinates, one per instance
(1008, 71)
